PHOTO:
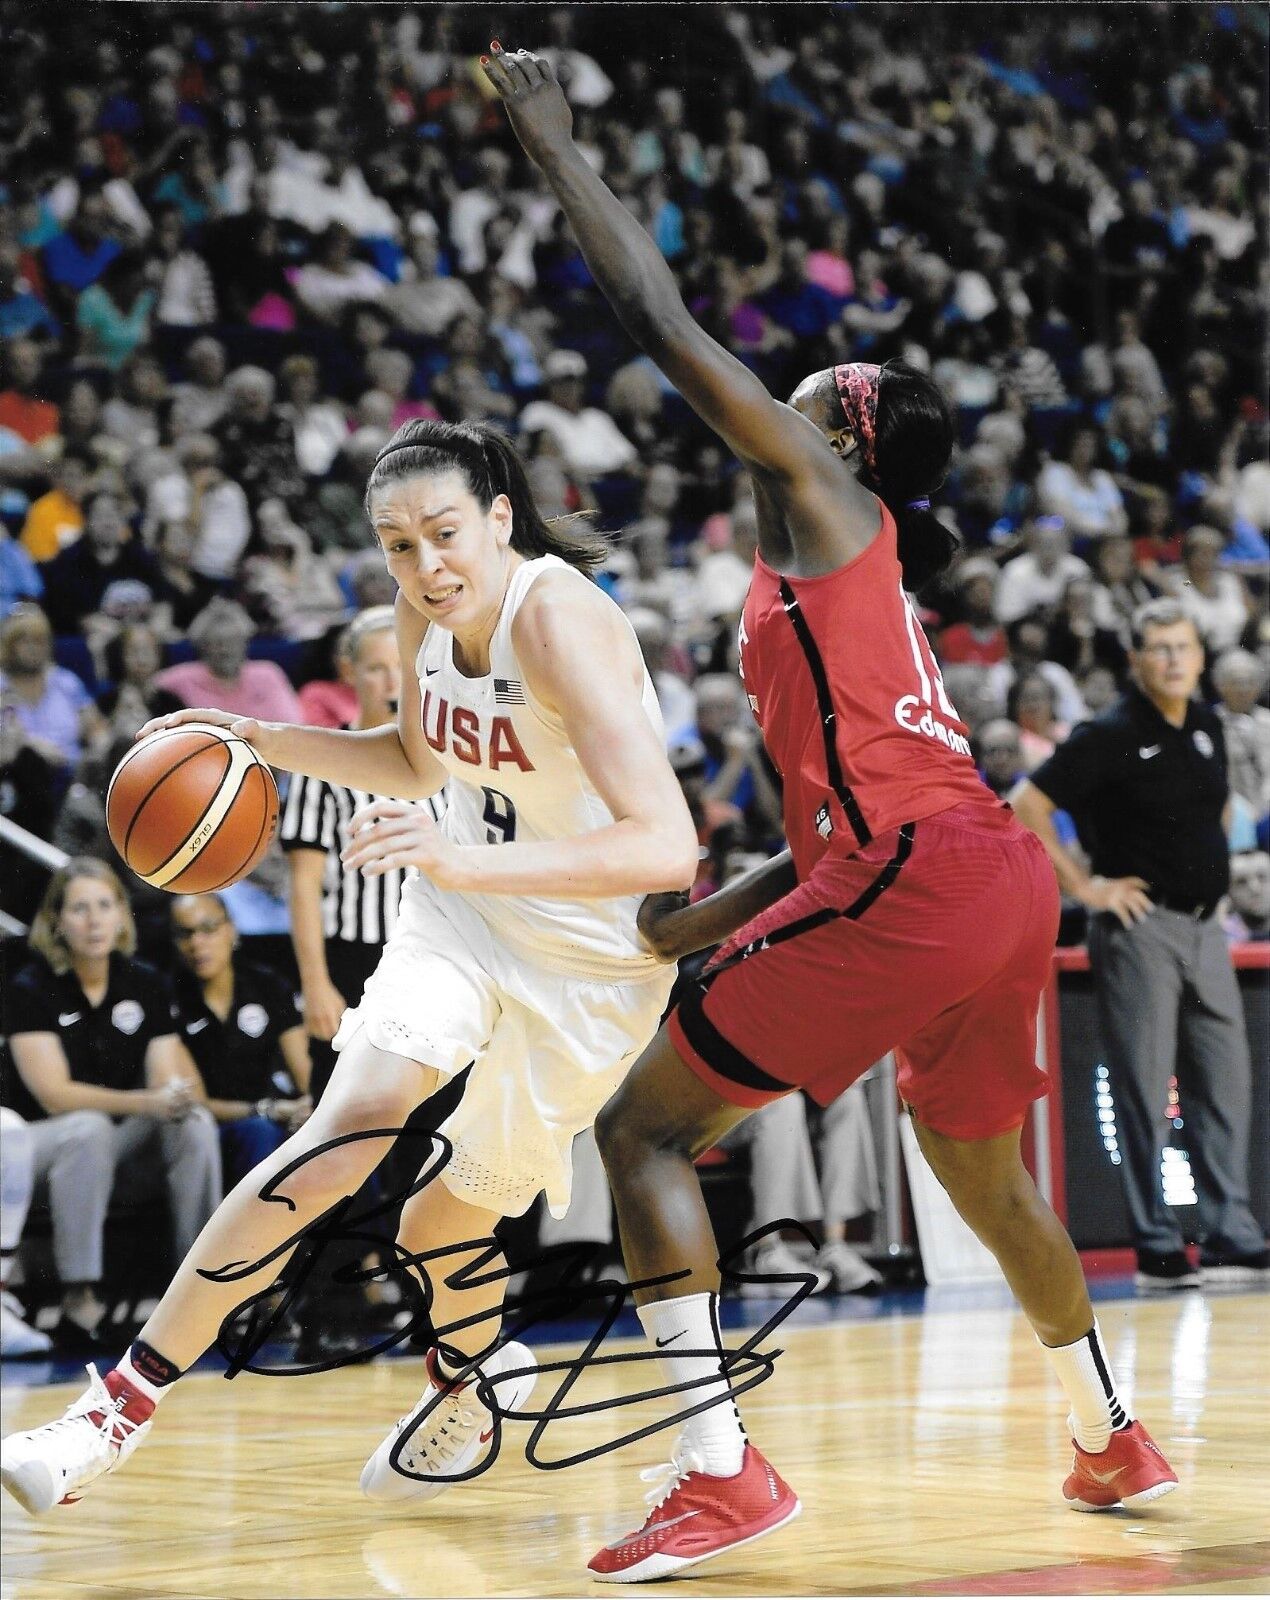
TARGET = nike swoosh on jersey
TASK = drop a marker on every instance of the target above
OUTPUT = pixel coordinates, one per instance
(662, 1343)
(66, 1018)
(1146, 751)
(644, 1533)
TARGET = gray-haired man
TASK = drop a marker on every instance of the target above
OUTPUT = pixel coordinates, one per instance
(1146, 783)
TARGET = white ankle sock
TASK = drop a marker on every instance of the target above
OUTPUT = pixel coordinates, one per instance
(1084, 1370)
(691, 1325)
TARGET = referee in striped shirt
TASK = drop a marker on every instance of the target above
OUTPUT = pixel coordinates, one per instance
(340, 918)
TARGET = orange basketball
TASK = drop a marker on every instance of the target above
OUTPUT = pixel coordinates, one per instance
(192, 808)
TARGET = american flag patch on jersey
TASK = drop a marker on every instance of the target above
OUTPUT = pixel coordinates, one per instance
(509, 692)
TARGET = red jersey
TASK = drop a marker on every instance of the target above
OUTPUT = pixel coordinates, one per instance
(854, 713)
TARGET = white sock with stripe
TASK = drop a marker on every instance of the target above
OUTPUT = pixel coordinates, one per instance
(1084, 1370)
(685, 1333)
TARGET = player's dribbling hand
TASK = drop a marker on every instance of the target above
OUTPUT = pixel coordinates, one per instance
(244, 727)
(1125, 898)
(536, 106)
(390, 833)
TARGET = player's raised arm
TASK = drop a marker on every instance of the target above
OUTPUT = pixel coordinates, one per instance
(629, 268)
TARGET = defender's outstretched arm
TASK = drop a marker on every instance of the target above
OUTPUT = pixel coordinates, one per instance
(636, 281)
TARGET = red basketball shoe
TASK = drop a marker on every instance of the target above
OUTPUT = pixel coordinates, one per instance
(1130, 1472)
(695, 1516)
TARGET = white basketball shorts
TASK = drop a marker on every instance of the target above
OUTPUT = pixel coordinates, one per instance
(548, 1050)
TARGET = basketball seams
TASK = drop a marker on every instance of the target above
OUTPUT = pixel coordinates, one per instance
(157, 785)
(267, 823)
(228, 788)
(241, 760)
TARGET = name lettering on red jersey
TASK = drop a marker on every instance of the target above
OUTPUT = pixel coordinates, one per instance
(909, 712)
(742, 639)
(463, 735)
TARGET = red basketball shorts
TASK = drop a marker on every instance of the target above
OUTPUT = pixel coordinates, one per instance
(935, 941)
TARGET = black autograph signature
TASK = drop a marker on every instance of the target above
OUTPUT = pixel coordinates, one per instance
(247, 1329)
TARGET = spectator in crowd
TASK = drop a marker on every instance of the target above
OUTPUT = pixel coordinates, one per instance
(56, 519)
(1247, 919)
(422, 301)
(76, 258)
(1027, 640)
(999, 755)
(49, 703)
(1081, 493)
(23, 409)
(1240, 680)
(1032, 706)
(182, 592)
(18, 1339)
(977, 639)
(1076, 639)
(319, 424)
(335, 278)
(186, 295)
(210, 504)
(1035, 580)
(678, 706)
(1119, 587)
(114, 1104)
(223, 677)
(735, 769)
(588, 437)
(240, 1023)
(1215, 600)
(291, 592)
(1146, 784)
(199, 401)
(20, 580)
(719, 823)
(257, 441)
(113, 315)
(132, 658)
(76, 581)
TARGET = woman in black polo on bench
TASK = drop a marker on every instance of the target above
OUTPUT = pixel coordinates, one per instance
(114, 1103)
(240, 1023)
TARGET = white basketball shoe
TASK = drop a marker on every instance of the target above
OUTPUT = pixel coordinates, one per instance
(457, 1427)
(53, 1465)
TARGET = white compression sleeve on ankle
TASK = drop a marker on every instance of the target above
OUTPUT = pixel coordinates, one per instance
(685, 1333)
(1084, 1370)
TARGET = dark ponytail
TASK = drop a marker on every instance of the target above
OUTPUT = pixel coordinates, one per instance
(913, 447)
(491, 466)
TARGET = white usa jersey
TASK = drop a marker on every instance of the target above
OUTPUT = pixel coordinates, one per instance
(514, 776)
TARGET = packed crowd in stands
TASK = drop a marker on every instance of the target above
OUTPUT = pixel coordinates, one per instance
(240, 245)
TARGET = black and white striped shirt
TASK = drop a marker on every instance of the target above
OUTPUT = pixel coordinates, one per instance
(356, 909)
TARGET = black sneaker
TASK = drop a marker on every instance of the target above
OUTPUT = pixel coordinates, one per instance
(1233, 1267)
(1163, 1271)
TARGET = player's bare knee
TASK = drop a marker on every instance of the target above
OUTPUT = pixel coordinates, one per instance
(629, 1133)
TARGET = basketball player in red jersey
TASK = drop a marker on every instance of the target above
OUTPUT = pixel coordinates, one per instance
(912, 912)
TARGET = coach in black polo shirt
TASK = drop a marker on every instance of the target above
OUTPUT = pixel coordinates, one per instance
(241, 1024)
(1146, 785)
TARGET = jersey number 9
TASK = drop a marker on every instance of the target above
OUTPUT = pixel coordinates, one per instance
(499, 817)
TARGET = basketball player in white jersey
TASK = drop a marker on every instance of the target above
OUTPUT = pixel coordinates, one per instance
(516, 947)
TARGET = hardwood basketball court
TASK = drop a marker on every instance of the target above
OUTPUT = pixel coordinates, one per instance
(928, 1451)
